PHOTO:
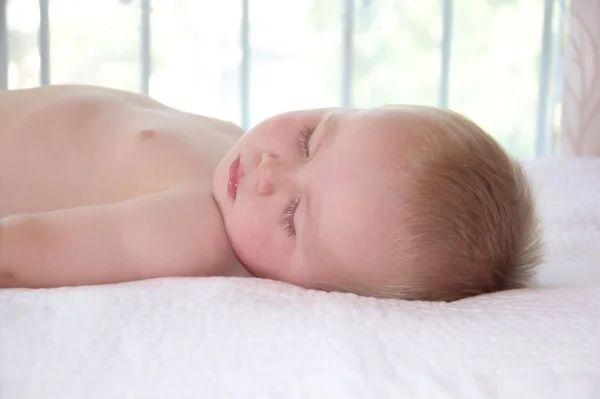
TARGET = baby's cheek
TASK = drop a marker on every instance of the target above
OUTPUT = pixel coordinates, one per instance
(258, 244)
(249, 236)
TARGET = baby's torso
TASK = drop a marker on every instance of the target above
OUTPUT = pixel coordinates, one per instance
(68, 146)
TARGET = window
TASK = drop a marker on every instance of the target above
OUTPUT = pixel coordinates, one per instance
(497, 61)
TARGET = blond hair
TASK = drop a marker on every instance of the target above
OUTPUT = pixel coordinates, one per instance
(469, 226)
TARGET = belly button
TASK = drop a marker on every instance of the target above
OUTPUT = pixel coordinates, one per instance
(146, 134)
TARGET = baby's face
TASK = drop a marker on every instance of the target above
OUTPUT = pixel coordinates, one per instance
(312, 197)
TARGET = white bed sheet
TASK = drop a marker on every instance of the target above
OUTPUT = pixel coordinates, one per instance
(239, 338)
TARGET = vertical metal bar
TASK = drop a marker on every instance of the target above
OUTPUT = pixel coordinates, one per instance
(145, 50)
(543, 141)
(3, 46)
(446, 51)
(245, 67)
(347, 52)
(44, 43)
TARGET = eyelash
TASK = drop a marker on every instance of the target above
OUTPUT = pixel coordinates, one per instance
(305, 135)
(288, 217)
(290, 210)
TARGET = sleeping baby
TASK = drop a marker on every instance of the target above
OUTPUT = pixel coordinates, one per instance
(99, 186)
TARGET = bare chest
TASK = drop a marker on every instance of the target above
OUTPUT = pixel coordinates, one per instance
(70, 157)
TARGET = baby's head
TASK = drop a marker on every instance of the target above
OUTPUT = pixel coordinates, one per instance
(404, 202)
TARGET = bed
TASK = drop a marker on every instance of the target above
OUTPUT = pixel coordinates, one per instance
(243, 338)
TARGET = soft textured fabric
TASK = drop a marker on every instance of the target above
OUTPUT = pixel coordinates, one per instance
(246, 338)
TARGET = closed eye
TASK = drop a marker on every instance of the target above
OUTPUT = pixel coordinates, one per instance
(289, 212)
(305, 135)
(288, 217)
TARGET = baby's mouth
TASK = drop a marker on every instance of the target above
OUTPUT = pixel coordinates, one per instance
(234, 177)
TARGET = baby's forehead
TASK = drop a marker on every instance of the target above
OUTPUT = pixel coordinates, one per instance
(391, 128)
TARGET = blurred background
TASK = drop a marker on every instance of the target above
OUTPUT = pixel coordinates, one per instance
(497, 61)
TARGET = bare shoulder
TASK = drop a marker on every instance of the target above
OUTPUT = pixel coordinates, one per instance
(85, 101)
(17, 104)
(61, 92)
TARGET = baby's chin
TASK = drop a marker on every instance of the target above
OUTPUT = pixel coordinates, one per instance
(298, 280)
(273, 274)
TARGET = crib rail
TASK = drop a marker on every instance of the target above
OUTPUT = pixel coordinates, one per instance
(3, 46)
(245, 65)
(44, 41)
(145, 47)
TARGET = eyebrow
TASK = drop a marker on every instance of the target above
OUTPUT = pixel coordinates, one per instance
(329, 131)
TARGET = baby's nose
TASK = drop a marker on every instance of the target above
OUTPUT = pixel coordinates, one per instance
(271, 174)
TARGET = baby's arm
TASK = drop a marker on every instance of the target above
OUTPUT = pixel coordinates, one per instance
(177, 232)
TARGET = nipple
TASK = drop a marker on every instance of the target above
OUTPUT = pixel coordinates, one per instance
(147, 134)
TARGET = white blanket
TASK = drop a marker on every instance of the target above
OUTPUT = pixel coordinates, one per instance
(241, 338)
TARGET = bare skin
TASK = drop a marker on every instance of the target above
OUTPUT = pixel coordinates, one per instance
(99, 186)
(80, 166)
